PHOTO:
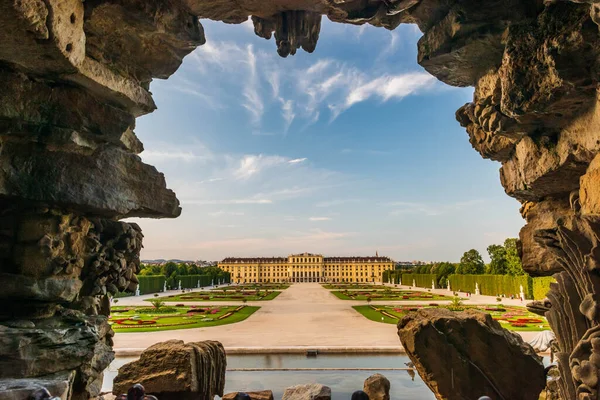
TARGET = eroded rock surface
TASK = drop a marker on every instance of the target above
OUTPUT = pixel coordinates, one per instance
(313, 391)
(176, 370)
(259, 395)
(466, 355)
(377, 387)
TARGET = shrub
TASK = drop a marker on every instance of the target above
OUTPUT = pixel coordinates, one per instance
(115, 301)
(157, 303)
(456, 304)
(155, 294)
(498, 299)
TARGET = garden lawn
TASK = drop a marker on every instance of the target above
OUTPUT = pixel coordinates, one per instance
(379, 295)
(126, 319)
(510, 317)
(216, 296)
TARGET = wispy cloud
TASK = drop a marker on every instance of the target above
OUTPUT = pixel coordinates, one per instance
(384, 88)
(403, 207)
(211, 180)
(301, 92)
(338, 202)
(297, 160)
(252, 99)
(228, 201)
(318, 219)
(222, 213)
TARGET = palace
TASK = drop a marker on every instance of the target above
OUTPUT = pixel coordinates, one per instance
(307, 267)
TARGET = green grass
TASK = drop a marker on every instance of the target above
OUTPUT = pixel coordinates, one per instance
(177, 318)
(216, 296)
(505, 318)
(378, 295)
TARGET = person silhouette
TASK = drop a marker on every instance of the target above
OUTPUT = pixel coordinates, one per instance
(359, 395)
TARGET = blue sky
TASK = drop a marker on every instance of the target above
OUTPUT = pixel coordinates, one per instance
(347, 151)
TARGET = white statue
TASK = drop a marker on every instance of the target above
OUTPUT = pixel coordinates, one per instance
(414, 283)
(432, 284)
(198, 284)
(137, 291)
(212, 282)
(165, 286)
(477, 289)
(449, 286)
(179, 285)
(522, 293)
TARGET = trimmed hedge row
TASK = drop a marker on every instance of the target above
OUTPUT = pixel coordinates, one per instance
(541, 286)
(191, 281)
(151, 284)
(421, 280)
(492, 285)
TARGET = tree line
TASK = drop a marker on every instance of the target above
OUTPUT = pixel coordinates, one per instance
(172, 271)
(504, 260)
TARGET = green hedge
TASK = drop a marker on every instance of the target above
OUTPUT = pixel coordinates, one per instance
(422, 280)
(541, 286)
(151, 284)
(492, 285)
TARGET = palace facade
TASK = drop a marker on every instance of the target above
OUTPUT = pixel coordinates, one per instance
(307, 267)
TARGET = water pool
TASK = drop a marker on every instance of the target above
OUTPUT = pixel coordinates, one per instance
(404, 384)
(342, 383)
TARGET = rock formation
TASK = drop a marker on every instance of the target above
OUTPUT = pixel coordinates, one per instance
(377, 387)
(260, 395)
(313, 391)
(75, 75)
(176, 370)
(466, 355)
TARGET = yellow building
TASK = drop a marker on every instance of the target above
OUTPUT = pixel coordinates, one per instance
(307, 268)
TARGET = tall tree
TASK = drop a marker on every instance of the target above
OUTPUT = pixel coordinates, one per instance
(498, 264)
(471, 263)
(443, 270)
(514, 266)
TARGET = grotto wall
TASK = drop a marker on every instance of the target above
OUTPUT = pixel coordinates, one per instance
(74, 76)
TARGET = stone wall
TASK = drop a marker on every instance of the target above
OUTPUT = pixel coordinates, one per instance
(75, 75)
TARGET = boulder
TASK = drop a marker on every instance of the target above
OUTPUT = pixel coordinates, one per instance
(59, 385)
(259, 395)
(466, 355)
(313, 391)
(176, 370)
(377, 387)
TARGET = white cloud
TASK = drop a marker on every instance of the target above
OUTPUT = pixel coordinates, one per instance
(317, 219)
(253, 100)
(230, 201)
(154, 155)
(339, 202)
(297, 160)
(221, 213)
(403, 207)
(385, 88)
(251, 165)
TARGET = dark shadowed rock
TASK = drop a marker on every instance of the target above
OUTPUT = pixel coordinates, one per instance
(464, 355)
(313, 391)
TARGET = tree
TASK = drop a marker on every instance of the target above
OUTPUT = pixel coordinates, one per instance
(443, 271)
(471, 263)
(499, 264)
(514, 266)
(169, 269)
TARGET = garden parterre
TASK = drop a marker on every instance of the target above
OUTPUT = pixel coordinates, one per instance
(510, 317)
(150, 319)
(222, 295)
